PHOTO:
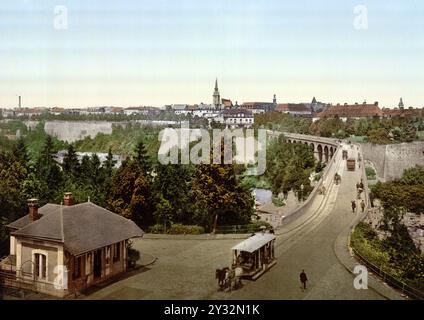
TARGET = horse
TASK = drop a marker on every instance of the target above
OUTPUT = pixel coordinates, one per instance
(221, 274)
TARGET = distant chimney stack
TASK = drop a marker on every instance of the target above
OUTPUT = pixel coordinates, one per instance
(20, 105)
(68, 200)
(33, 209)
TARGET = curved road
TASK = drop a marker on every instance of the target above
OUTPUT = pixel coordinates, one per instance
(185, 268)
(308, 243)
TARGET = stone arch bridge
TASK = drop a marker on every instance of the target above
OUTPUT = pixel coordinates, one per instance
(324, 148)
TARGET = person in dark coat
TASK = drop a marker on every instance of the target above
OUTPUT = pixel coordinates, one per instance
(303, 279)
(353, 205)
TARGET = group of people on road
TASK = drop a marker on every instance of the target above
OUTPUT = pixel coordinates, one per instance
(359, 190)
(362, 204)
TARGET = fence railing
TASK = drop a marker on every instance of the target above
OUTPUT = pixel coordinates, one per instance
(247, 228)
(410, 291)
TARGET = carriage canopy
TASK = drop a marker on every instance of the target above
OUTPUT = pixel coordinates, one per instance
(254, 242)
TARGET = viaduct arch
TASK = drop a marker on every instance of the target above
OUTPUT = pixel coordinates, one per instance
(323, 148)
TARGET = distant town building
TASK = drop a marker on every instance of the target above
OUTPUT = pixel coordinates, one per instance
(180, 109)
(400, 105)
(315, 105)
(226, 103)
(130, 111)
(236, 118)
(353, 111)
(296, 109)
(403, 113)
(258, 107)
(29, 112)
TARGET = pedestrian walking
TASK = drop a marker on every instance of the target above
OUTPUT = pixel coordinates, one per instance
(353, 206)
(303, 279)
(363, 205)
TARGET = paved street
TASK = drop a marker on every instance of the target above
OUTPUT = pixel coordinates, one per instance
(185, 269)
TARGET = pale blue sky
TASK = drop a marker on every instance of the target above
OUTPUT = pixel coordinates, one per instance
(159, 52)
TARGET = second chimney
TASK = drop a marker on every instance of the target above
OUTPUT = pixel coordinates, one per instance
(68, 200)
(33, 209)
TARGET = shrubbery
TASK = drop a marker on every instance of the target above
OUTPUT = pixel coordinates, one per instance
(177, 228)
(186, 229)
(370, 172)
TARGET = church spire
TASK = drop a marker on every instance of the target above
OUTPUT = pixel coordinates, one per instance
(216, 96)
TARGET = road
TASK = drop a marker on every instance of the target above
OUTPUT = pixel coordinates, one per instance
(308, 243)
(185, 268)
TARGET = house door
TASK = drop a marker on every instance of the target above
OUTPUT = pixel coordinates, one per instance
(97, 267)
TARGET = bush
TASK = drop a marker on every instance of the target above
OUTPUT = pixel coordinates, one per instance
(278, 201)
(260, 223)
(133, 255)
(318, 176)
(186, 229)
(157, 228)
(319, 167)
(370, 172)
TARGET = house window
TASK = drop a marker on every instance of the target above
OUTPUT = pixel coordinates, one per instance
(117, 252)
(77, 268)
(40, 266)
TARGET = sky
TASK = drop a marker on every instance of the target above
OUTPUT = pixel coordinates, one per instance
(157, 52)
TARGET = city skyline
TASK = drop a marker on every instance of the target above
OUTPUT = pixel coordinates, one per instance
(157, 53)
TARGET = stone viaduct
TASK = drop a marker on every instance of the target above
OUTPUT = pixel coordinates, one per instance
(324, 148)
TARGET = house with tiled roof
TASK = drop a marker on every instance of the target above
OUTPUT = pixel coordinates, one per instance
(403, 112)
(296, 109)
(63, 249)
(350, 111)
(226, 103)
(258, 107)
(234, 118)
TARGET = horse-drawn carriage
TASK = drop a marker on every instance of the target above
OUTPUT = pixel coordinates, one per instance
(251, 258)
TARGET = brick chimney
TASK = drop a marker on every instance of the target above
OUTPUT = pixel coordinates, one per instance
(33, 209)
(68, 200)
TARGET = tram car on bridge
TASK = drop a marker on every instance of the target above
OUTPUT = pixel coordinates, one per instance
(255, 255)
(351, 163)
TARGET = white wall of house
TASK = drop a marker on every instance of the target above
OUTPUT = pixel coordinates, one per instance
(12, 245)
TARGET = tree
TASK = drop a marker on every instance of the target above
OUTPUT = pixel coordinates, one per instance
(414, 176)
(378, 136)
(4, 236)
(71, 164)
(172, 187)
(49, 173)
(141, 158)
(20, 153)
(130, 195)
(220, 196)
(109, 164)
(289, 166)
(12, 173)
(164, 212)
